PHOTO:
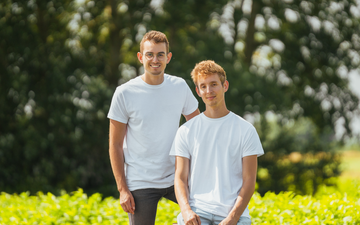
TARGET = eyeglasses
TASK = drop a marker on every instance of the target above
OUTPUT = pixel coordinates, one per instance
(159, 56)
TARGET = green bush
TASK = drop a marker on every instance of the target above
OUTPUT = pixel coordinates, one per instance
(297, 157)
(75, 208)
(328, 206)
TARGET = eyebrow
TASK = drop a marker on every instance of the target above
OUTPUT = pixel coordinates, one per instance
(211, 82)
(153, 52)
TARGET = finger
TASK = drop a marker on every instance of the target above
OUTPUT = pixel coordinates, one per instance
(124, 207)
(132, 205)
(198, 219)
(194, 221)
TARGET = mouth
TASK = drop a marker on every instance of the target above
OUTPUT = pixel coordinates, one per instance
(155, 66)
(210, 98)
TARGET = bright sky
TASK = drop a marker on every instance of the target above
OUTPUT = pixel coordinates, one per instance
(354, 84)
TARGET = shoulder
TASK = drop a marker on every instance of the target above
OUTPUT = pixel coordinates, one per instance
(188, 125)
(129, 85)
(175, 80)
(246, 125)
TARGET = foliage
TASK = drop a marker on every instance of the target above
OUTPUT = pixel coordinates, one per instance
(329, 206)
(288, 208)
(302, 160)
(53, 104)
(75, 208)
(60, 62)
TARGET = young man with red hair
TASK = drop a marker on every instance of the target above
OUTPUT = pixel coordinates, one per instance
(144, 116)
(216, 157)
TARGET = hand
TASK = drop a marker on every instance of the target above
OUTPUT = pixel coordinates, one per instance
(228, 221)
(127, 201)
(191, 218)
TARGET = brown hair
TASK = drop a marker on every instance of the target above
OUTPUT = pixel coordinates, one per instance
(206, 68)
(155, 36)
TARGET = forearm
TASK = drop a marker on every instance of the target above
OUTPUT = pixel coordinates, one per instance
(117, 165)
(243, 199)
(116, 138)
(192, 115)
(182, 194)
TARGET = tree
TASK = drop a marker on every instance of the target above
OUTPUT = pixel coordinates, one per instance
(295, 58)
(287, 63)
(53, 111)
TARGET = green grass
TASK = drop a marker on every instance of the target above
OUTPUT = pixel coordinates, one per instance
(350, 164)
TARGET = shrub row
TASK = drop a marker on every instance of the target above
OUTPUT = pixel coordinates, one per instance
(329, 206)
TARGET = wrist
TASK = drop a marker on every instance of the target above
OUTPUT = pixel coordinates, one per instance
(233, 216)
(185, 209)
(123, 188)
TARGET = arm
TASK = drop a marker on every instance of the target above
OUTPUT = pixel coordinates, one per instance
(182, 190)
(191, 115)
(246, 192)
(116, 139)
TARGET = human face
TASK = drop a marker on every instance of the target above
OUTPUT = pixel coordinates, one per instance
(155, 66)
(212, 92)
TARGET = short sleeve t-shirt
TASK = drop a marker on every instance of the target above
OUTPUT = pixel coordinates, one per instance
(215, 148)
(152, 114)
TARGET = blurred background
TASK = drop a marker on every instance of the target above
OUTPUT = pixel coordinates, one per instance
(293, 68)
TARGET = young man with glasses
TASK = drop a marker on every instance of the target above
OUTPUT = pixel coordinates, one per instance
(216, 157)
(144, 116)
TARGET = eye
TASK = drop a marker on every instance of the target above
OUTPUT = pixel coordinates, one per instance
(161, 54)
(149, 54)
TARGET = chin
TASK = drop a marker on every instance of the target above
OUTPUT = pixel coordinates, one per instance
(156, 74)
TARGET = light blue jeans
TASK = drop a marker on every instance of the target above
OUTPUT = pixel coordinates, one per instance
(211, 219)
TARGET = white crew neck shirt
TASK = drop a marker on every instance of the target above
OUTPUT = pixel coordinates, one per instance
(215, 147)
(152, 114)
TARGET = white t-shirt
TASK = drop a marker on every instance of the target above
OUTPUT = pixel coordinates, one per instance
(215, 148)
(152, 114)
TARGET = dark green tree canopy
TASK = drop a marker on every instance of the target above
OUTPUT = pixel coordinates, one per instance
(287, 61)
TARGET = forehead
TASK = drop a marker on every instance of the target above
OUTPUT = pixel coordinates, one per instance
(203, 79)
(151, 46)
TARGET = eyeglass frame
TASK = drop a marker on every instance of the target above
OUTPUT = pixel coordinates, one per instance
(160, 58)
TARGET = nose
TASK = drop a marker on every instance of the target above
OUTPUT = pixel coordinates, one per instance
(208, 89)
(155, 58)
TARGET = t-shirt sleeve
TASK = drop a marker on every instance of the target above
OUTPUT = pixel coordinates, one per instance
(252, 144)
(191, 103)
(117, 109)
(180, 144)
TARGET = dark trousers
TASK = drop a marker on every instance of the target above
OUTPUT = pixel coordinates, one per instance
(146, 201)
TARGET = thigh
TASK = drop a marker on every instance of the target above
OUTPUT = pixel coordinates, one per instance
(242, 221)
(170, 194)
(146, 201)
(203, 218)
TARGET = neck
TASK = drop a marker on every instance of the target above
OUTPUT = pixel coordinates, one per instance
(153, 79)
(217, 112)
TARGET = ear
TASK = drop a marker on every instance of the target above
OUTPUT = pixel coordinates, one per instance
(226, 85)
(168, 56)
(140, 57)
(197, 91)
